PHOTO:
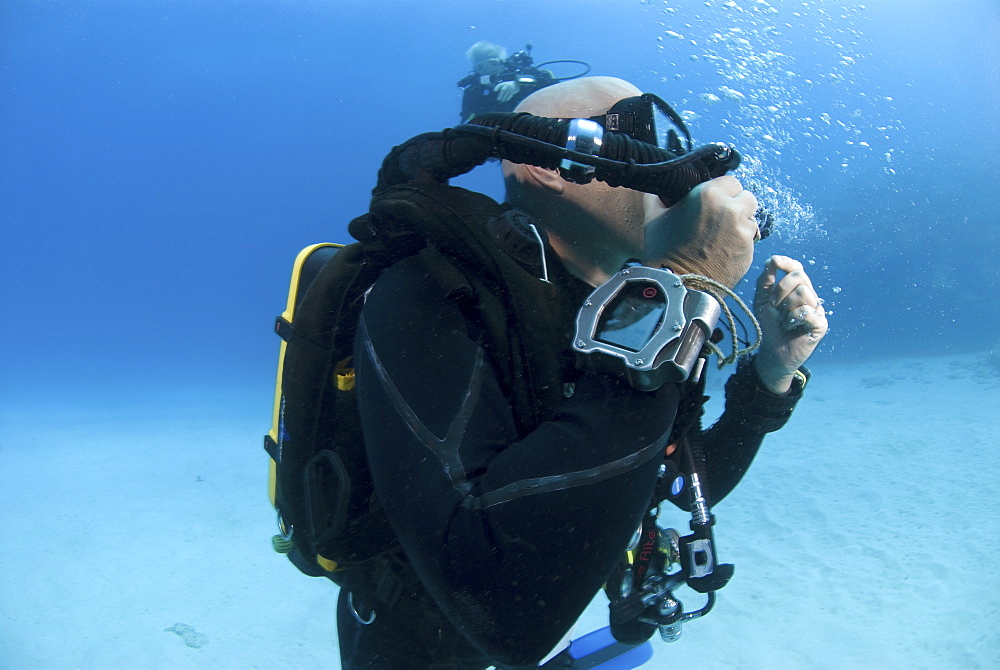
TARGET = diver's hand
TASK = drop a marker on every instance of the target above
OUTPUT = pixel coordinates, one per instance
(506, 90)
(710, 231)
(792, 318)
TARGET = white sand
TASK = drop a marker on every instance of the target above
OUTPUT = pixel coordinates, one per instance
(866, 535)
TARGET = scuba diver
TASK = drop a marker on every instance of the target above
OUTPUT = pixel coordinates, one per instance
(511, 440)
(498, 83)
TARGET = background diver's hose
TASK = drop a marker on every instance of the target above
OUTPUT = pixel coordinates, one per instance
(541, 141)
(585, 64)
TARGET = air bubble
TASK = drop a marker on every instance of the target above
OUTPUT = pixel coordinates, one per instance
(746, 63)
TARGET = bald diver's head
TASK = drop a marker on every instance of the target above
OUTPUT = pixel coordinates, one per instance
(578, 98)
(593, 227)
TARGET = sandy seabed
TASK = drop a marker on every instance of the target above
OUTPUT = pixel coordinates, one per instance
(137, 534)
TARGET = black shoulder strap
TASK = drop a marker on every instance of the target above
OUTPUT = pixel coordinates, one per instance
(454, 285)
(522, 316)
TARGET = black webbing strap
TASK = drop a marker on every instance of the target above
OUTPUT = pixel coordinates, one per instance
(284, 329)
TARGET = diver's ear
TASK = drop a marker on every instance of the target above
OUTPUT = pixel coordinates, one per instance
(544, 178)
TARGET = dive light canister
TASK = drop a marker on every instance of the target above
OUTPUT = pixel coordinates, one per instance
(644, 324)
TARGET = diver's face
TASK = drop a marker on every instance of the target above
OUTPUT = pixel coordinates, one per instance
(489, 66)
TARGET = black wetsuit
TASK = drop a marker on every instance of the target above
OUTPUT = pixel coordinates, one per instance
(506, 536)
(479, 96)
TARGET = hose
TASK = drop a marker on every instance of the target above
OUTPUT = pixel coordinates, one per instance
(536, 140)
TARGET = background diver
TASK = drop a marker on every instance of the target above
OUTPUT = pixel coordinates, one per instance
(498, 83)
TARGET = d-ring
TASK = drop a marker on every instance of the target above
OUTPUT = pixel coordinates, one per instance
(354, 611)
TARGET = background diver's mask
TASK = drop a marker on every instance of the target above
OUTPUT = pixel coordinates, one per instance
(649, 119)
(489, 66)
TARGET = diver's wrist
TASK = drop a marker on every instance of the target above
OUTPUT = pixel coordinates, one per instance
(775, 377)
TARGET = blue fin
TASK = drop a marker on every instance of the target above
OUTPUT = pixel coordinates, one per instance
(601, 651)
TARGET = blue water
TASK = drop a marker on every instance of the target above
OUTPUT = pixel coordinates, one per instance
(162, 162)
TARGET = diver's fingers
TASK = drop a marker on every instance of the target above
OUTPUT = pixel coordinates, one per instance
(794, 284)
(727, 184)
(785, 263)
(817, 323)
(811, 319)
(793, 296)
(770, 291)
(728, 189)
(506, 90)
(765, 281)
